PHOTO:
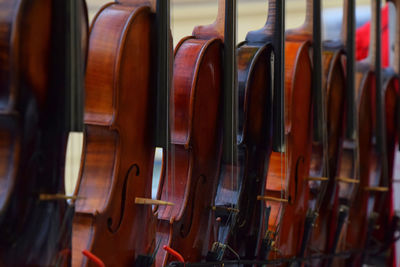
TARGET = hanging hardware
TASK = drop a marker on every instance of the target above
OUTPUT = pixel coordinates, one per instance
(148, 201)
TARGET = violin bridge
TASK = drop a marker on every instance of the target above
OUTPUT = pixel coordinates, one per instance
(225, 208)
(348, 180)
(376, 189)
(266, 198)
(49, 197)
(322, 179)
(149, 201)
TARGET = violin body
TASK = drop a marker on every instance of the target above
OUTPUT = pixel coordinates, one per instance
(335, 86)
(286, 178)
(386, 222)
(356, 229)
(33, 110)
(255, 118)
(354, 233)
(191, 177)
(118, 150)
(323, 194)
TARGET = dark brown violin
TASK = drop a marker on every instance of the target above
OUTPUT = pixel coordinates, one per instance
(41, 62)
(111, 221)
(189, 175)
(287, 190)
(253, 148)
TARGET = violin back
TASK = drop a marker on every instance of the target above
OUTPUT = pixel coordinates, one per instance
(195, 154)
(118, 151)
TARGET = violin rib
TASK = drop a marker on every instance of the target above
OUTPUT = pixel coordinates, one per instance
(118, 152)
(195, 154)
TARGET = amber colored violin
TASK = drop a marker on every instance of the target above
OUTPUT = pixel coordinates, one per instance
(39, 60)
(287, 190)
(118, 150)
(189, 177)
(373, 175)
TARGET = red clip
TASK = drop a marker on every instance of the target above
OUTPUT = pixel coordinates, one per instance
(174, 253)
(93, 258)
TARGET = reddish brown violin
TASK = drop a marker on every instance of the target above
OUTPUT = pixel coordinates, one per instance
(118, 151)
(190, 175)
(287, 190)
(328, 99)
(386, 224)
(388, 220)
(328, 108)
(39, 60)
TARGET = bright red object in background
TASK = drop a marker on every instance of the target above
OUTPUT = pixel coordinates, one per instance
(362, 39)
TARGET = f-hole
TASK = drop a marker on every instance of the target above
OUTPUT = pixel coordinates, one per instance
(123, 198)
(184, 230)
(296, 180)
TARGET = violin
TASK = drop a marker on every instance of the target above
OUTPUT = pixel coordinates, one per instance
(328, 110)
(348, 168)
(287, 192)
(386, 224)
(41, 63)
(327, 57)
(253, 148)
(271, 36)
(189, 174)
(112, 221)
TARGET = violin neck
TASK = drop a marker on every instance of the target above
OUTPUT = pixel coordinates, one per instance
(164, 67)
(230, 111)
(271, 28)
(319, 92)
(216, 29)
(309, 19)
(373, 53)
(349, 26)
(344, 32)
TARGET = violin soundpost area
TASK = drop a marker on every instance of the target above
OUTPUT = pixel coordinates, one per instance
(189, 133)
